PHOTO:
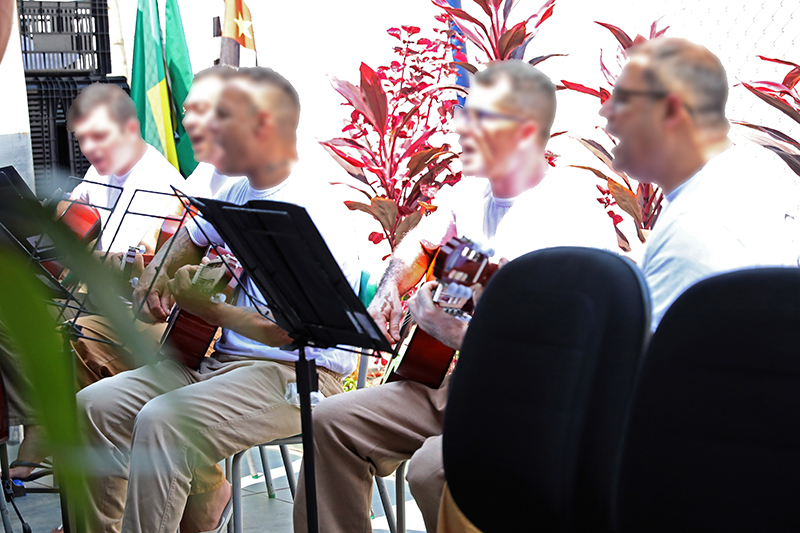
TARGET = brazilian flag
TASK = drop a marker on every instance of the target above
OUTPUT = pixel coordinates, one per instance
(160, 82)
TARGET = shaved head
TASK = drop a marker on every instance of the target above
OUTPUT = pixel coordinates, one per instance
(691, 71)
(529, 92)
(271, 92)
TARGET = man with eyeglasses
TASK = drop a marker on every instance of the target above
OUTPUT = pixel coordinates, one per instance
(507, 202)
(723, 208)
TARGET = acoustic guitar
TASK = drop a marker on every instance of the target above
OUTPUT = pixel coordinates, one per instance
(418, 356)
(188, 337)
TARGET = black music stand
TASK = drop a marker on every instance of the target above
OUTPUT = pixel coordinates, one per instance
(284, 254)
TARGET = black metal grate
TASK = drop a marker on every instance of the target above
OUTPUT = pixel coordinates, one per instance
(56, 154)
(65, 36)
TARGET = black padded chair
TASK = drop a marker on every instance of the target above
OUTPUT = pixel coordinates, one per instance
(547, 368)
(713, 440)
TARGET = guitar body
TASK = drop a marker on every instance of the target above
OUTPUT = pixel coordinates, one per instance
(84, 222)
(420, 358)
(187, 338)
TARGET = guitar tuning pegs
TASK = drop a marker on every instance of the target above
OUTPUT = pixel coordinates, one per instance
(219, 298)
(134, 282)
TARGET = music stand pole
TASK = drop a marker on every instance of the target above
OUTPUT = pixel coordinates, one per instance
(306, 371)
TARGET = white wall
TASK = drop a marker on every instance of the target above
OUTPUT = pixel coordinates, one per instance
(15, 129)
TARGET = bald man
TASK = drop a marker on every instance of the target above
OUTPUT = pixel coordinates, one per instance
(149, 428)
(668, 112)
(508, 201)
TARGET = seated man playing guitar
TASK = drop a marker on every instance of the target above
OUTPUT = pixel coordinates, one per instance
(509, 203)
(104, 121)
(151, 428)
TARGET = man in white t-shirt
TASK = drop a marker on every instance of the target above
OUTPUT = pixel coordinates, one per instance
(150, 428)
(508, 202)
(104, 121)
(722, 212)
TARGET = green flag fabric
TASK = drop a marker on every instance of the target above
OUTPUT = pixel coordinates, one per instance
(149, 82)
(179, 71)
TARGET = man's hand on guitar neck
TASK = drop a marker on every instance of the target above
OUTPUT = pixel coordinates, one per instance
(387, 311)
(192, 300)
(433, 320)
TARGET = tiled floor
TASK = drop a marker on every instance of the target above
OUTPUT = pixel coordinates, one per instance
(260, 513)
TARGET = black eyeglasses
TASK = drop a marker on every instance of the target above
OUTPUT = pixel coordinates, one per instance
(622, 96)
(472, 114)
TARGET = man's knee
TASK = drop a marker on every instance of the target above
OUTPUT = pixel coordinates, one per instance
(330, 416)
(425, 470)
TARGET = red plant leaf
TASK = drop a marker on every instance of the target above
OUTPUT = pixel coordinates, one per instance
(775, 102)
(485, 6)
(536, 60)
(385, 211)
(353, 96)
(604, 95)
(394, 32)
(602, 154)
(362, 191)
(661, 32)
(428, 208)
(556, 134)
(459, 13)
(411, 30)
(593, 171)
(374, 97)
(639, 40)
(546, 15)
(472, 69)
(507, 7)
(511, 39)
(375, 237)
(418, 143)
(792, 78)
(421, 159)
(580, 88)
(622, 240)
(628, 202)
(610, 78)
(623, 38)
(406, 225)
(775, 134)
(358, 206)
(781, 61)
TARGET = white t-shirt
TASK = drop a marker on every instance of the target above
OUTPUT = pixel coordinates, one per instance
(334, 224)
(723, 218)
(152, 173)
(205, 181)
(560, 211)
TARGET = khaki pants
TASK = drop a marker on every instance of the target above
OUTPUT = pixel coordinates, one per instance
(451, 519)
(150, 428)
(370, 432)
(97, 360)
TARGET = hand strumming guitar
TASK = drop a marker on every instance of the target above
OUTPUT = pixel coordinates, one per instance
(192, 300)
(433, 320)
(387, 311)
(155, 303)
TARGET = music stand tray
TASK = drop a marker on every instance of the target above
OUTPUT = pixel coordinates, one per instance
(284, 254)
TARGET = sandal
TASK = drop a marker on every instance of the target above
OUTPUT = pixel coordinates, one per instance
(46, 469)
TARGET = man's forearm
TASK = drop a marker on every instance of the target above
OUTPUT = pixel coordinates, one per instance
(179, 250)
(246, 321)
(404, 273)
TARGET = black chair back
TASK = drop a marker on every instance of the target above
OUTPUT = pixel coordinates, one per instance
(713, 440)
(537, 403)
